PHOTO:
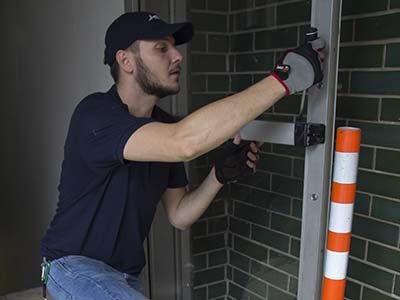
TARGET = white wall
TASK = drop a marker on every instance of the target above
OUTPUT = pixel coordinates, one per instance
(51, 57)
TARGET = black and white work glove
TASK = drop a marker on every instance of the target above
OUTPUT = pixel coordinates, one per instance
(231, 162)
(300, 68)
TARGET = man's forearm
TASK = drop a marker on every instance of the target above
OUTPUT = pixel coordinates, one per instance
(210, 126)
(195, 202)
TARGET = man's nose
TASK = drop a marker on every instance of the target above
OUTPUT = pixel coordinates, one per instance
(176, 56)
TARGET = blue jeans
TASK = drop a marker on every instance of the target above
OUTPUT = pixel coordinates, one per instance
(81, 278)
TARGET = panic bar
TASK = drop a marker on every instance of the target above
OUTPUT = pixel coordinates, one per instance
(296, 134)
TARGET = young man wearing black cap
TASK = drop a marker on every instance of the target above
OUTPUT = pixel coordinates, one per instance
(123, 154)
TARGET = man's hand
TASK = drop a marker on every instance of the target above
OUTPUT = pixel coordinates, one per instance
(300, 68)
(236, 159)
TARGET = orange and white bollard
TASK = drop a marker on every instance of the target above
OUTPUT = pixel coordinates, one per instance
(348, 141)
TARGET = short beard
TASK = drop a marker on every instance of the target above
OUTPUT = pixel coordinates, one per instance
(149, 84)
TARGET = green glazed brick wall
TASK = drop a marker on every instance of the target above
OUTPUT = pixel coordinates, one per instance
(246, 246)
(265, 210)
(210, 81)
(369, 98)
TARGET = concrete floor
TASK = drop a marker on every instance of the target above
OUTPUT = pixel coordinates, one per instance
(32, 294)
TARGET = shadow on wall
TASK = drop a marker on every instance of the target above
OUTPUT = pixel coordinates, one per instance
(54, 56)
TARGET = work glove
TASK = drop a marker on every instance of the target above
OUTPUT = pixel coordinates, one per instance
(300, 68)
(231, 161)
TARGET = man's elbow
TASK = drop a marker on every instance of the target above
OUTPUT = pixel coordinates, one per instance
(182, 228)
(188, 144)
(179, 225)
(188, 152)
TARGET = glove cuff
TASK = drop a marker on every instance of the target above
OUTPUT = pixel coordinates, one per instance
(220, 175)
(277, 77)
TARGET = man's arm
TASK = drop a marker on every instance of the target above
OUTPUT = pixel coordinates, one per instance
(204, 129)
(184, 208)
(210, 126)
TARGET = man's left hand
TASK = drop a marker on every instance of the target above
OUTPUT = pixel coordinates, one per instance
(236, 159)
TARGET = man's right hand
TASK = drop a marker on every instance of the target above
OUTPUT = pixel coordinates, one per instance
(300, 68)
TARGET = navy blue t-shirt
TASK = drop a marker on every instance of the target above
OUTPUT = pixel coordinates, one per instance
(107, 204)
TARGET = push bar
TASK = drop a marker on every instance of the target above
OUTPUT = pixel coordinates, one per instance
(295, 134)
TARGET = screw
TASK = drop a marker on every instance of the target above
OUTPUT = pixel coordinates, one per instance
(314, 197)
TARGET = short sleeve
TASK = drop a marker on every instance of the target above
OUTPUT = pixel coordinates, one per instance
(104, 131)
(177, 175)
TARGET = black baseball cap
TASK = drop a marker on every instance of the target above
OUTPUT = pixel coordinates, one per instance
(133, 26)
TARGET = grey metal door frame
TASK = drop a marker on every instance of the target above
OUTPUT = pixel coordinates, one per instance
(326, 16)
(167, 274)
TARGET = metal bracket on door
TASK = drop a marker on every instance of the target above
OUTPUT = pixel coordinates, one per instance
(295, 134)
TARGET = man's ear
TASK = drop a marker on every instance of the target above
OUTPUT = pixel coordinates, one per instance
(125, 61)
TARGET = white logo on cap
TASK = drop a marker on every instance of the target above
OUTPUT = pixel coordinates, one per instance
(153, 17)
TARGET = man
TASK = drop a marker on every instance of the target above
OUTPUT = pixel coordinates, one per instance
(123, 154)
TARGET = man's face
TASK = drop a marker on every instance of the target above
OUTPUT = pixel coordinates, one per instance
(158, 67)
